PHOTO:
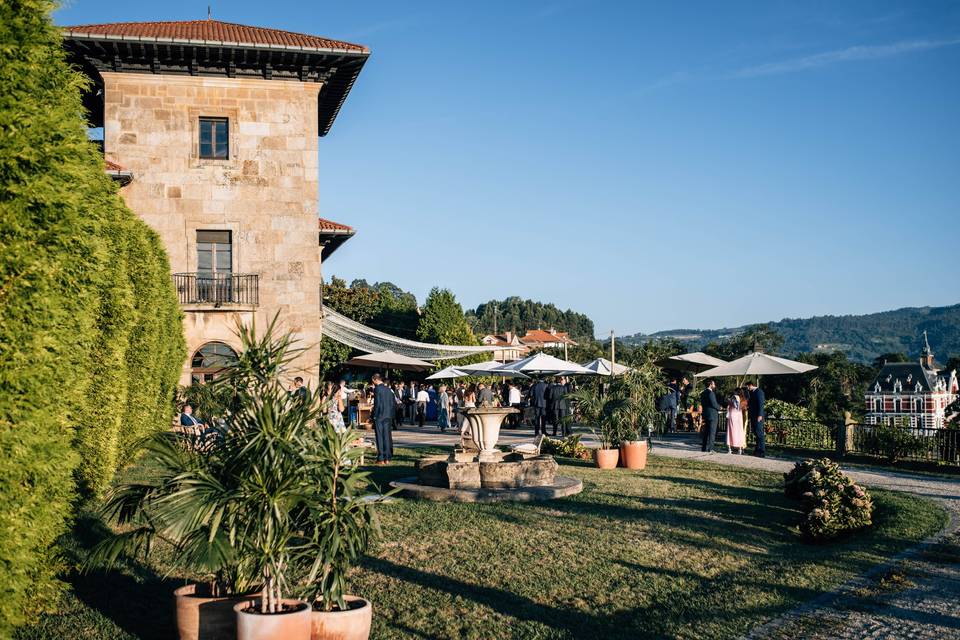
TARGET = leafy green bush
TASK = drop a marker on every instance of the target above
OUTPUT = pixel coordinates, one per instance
(66, 314)
(895, 441)
(569, 447)
(833, 504)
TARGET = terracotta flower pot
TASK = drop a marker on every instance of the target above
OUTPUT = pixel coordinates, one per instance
(352, 624)
(633, 454)
(606, 458)
(293, 624)
(201, 616)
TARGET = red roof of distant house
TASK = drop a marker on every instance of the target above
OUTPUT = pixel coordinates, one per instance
(214, 31)
(546, 337)
(113, 166)
(333, 227)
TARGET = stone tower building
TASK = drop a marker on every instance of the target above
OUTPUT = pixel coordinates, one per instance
(214, 128)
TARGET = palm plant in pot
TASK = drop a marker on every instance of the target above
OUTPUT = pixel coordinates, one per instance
(250, 503)
(642, 385)
(619, 409)
(340, 523)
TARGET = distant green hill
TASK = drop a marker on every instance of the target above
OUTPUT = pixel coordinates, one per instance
(862, 337)
(518, 315)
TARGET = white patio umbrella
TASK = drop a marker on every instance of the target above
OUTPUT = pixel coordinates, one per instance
(489, 368)
(602, 366)
(757, 364)
(541, 363)
(447, 373)
(696, 361)
(390, 360)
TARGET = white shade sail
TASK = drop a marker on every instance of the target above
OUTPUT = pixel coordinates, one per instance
(353, 334)
(602, 367)
(547, 365)
(390, 360)
(757, 364)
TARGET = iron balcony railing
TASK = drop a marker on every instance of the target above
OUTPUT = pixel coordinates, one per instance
(217, 289)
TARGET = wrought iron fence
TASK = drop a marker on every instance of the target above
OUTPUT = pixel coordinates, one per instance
(904, 442)
(890, 442)
(217, 288)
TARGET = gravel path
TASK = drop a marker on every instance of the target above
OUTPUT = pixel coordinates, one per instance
(913, 596)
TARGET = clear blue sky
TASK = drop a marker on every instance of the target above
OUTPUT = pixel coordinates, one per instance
(654, 165)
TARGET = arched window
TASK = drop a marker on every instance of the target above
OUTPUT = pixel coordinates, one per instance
(918, 405)
(897, 405)
(210, 360)
(878, 405)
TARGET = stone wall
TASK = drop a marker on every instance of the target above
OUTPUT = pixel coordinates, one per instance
(265, 193)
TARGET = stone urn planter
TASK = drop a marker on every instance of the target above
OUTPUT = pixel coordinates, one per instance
(606, 458)
(633, 454)
(351, 624)
(484, 424)
(295, 623)
(202, 616)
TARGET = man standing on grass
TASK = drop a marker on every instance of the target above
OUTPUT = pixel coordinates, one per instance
(711, 416)
(384, 407)
(755, 409)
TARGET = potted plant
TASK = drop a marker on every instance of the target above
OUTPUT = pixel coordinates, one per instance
(620, 412)
(250, 503)
(341, 523)
(603, 413)
(174, 503)
(642, 385)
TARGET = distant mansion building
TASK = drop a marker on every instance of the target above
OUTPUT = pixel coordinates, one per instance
(915, 391)
(508, 345)
(212, 130)
(513, 346)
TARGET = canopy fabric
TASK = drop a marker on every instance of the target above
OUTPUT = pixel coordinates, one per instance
(489, 368)
(696, 361)
(353, 334)
(390, 360)
(547, 365)
(757, 364)
(447, 373)
(602, 366)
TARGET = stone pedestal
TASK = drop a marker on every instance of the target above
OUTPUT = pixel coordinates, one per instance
(468, 471)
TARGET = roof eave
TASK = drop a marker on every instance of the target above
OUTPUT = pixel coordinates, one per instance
(85, 35)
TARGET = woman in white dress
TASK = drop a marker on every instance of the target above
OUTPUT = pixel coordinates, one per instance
(736, 437)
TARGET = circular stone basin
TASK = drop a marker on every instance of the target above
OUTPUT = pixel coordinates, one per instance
(562, 486)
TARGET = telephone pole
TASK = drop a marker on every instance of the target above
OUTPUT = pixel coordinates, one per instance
(613, 352)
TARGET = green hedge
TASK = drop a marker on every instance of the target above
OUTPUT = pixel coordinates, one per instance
(90, 334)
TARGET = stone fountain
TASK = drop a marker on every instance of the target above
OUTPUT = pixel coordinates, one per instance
(477, 471)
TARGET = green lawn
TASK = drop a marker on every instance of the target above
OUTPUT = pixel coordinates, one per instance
(682, 549)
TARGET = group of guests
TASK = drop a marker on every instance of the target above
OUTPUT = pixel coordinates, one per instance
(392, 404)
(748, 400)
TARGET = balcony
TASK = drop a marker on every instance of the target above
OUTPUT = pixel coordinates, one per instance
(218, 290)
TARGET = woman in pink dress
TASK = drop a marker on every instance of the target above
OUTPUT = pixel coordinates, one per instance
(736, 437)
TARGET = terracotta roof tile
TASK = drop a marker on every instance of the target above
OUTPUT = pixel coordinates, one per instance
(214, 31)
(113, 166)
(541, 336)
(330, 225)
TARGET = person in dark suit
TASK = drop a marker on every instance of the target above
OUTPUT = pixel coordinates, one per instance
(711, 416)
(556, 401)
(755, 409)
(538, 401)
(384, 407)
(187, 419)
